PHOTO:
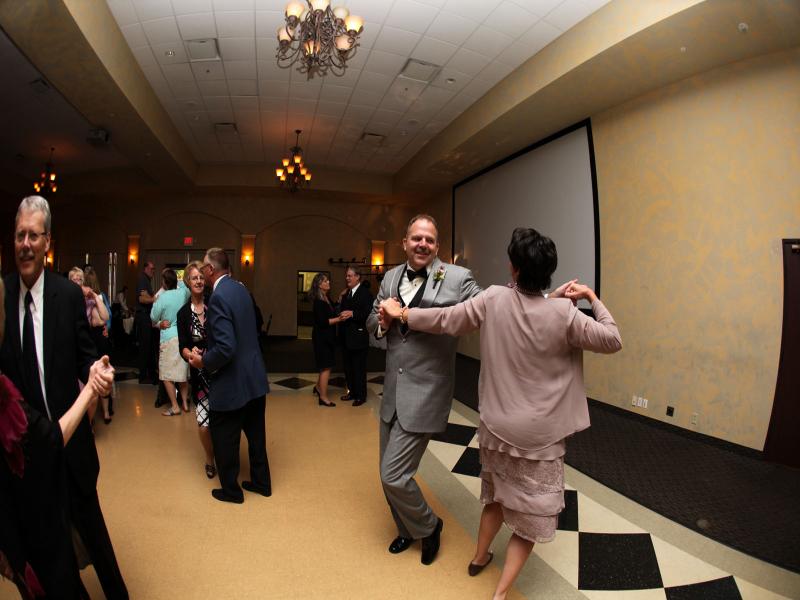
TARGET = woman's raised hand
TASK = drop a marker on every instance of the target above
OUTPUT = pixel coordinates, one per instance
(578, 291)
(101, 377)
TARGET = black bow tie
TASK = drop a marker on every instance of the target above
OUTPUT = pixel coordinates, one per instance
(412, 274)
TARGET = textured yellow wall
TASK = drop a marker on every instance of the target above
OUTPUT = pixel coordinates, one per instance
(698, 182)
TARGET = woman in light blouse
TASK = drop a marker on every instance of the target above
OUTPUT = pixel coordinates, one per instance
(531, 392)
(172, 369)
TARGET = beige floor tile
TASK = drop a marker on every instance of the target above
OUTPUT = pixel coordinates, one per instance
(596, 518)
(447, 454)
(751, 591)
(561, 555)
(473, 484)
(656, 594)
(680, 568)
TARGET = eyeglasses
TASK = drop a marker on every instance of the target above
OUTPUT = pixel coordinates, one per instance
(32, 236)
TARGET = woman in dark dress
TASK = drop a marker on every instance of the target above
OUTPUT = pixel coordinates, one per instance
(192, 338)
(36, 551)
(323, 334)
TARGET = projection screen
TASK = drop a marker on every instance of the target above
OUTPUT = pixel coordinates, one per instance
(550, 187)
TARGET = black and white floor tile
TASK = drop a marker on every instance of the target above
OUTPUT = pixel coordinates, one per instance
(599, 552)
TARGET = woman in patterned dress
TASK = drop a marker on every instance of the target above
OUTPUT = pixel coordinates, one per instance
(192, 338)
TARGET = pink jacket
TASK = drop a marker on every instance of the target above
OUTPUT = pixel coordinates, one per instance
(531, 384)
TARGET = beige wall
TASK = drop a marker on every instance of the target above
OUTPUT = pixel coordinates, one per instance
(698, 182)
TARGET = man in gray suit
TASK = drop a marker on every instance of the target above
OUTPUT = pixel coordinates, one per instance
(418, 384)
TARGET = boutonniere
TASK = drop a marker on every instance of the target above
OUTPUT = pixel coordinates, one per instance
(439, 276)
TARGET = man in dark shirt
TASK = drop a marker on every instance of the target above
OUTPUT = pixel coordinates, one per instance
(144, 328)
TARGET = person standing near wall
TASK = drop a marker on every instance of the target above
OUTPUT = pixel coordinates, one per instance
(144, 328)
(357, 302)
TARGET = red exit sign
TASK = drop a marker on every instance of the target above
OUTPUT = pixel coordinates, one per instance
(188, 241)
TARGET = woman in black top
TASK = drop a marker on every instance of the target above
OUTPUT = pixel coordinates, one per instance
(192, 338)
(323, 335)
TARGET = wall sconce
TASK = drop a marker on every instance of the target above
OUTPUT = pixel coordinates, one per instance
(247, 258)
(132, 259)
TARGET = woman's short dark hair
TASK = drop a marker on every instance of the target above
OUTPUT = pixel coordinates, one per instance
(315, 293)
(170, 279)
(534, 256)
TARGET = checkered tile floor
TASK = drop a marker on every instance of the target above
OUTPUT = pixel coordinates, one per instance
(597, 551)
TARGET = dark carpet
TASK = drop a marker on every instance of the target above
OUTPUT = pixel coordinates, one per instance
(290, 355)
(725, 492)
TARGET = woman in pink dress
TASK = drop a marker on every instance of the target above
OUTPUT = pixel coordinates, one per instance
(531, 392)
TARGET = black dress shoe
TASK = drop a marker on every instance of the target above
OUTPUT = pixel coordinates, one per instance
(316, 391)
(321, 402)
(430, 544)
(219, 494)
(474, 569)
(257, 489)
(346, 397)
(358, 402)
(399, 544)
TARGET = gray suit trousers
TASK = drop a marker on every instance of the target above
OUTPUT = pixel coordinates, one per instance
(401, 452)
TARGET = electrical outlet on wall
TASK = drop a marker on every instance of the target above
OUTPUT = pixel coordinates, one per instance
(694, 418)
(633, 400)
(670, 411)
(644, 402)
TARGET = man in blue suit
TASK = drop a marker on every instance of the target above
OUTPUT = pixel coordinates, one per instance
(237, 399)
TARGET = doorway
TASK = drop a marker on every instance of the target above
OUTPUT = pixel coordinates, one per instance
(305, 306)
(783, 443)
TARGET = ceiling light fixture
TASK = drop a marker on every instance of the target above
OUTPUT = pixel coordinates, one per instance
(292, 173)
(47, 178)
(320, 37)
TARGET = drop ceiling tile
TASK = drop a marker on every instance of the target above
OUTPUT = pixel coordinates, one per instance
(494, 72)
(335, 93)
(213, 103)
(538, 7)
(152, 9)
(235, 24)
(299, 121)
(161, 31)
(451, 28)
(356, 61)
(435, 96)
(184, 90)
(232, 152)
(410, 15)
(243, 87)
(154, 74)
(457, 83)
(196, 117)
(170, 53)
(197, 26)
(220, 116)
(185, 7)
(270, 70)
(208, 70)
(272, 104)
(372, 10)
(298, 78)
(178, 73)
(213, 88)
(248, 122)
(333, 109)
(477, 88)
(298, 90)
(220, 5)
(267, 22)
(325, 121)
(242, 103)
(385, 63)
(477, 10)
(468, 62)
(348, 78)
(123, 12)
(398, 41)
(373, 82)
(134, 35)
(238, 48)
(487, 42)
(367, 37)
(536, 38)
(144, 56)
(386, 117)
(568, 14)
(367, 98)
(266, 47)
(595, 4)
(273, 89)
(240, 69)
(303, 106)
(511, 19)
(434, 51)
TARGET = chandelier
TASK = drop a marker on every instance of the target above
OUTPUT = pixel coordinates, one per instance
(292, 173)
(319, 37)
(47, 178)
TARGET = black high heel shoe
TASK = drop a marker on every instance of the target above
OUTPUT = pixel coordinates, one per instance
(328, 404)
(316, 392)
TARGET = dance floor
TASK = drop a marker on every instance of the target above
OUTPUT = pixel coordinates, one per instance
(324, 531)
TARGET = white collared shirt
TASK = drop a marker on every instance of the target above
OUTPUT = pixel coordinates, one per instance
(407, 289)
(352, 291)
(216, 283)
(37, 313)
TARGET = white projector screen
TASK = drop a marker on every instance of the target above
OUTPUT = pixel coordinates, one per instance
(549, 187)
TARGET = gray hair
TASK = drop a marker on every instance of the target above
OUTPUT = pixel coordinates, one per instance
(33, 204)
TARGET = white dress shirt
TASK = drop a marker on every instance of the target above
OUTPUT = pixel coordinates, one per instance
(37, 313)
(408, 289)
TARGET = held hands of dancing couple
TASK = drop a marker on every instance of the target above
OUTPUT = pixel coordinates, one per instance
(390, 309)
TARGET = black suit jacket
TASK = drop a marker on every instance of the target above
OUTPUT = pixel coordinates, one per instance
(68, 354)
(354, 331)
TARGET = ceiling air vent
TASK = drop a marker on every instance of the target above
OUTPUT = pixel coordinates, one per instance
(419, 70)
(199, 50)
(226, 131)
(372, 139)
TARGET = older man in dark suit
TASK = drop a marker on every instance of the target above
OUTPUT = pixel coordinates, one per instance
(237, 399)
(46, 350)
(356, 301)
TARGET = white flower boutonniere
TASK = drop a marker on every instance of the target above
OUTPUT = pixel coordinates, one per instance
(439, 276)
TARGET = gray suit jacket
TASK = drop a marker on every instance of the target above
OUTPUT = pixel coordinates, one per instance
(418, 384)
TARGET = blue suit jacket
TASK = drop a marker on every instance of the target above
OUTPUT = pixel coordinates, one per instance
(233, 356)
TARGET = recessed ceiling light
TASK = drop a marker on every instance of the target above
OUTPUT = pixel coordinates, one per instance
(683, 48)
(450, 80)
(169, 53)
(743, 27)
